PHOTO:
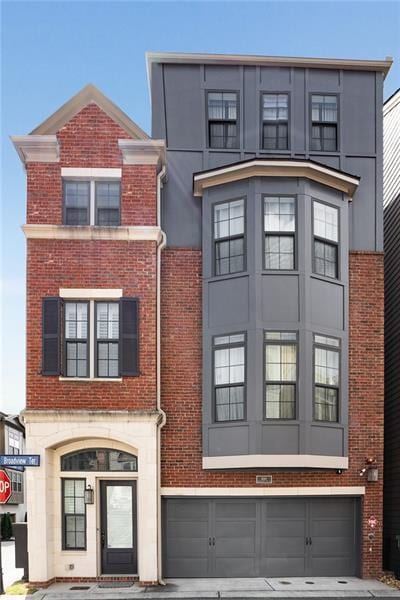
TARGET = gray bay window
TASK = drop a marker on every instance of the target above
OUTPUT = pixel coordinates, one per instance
(229, 377)
(326, 239)
(324, 113)
(229, 240)
(326, 378)
(223, 129)
(280, 374)
(279, 229)
(275, 116)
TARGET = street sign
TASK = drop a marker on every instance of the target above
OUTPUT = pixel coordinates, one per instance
(19, 460)
(5, 487)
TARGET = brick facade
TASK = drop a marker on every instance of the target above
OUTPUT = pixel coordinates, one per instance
(181, 452)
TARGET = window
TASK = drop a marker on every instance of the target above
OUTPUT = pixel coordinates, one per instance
(92, 203)
(76, 339)
(326, 239)
(324, 123)
(223, 120)
(99, 459)
(229, 237)
(275, 116)
(107, 333)
(280, 374)
(279, 229)
(16, 481)
(107, 203)
(326, 378)
(74, 514)
(76, 202)
(14, 441)
(229, 377)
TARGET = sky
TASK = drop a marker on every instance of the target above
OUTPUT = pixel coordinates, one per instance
(51, 49)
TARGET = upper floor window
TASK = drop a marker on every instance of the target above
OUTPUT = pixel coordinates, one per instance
(92, 203)
(223, 130)
(13, 441)
(279, 231)
(324, 114)
(229, 377)
(326, 239)
(280, 374)
(77, 342)
(228, 221)
(275, 117)
(326, 378)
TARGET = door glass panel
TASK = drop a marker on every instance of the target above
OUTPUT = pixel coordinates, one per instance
(119, 516)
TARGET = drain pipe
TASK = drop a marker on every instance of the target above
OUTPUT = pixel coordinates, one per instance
(160, 246)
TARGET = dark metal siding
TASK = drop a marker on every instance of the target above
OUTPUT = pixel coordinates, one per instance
(392, 387)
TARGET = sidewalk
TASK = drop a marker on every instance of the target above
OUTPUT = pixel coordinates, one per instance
(279, 588)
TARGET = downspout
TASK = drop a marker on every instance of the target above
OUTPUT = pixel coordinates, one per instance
(160, 246)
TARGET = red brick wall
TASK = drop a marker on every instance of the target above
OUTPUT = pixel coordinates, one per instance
(90, 139)
(181, 453)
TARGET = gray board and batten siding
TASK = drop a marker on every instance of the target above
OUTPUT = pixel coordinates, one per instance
(260, 537)
(179, 115)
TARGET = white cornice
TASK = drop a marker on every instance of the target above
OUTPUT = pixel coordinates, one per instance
(65, 232)
(284, 461)
(264, 491)
(36, 148)
(275, 168)
(143, 152)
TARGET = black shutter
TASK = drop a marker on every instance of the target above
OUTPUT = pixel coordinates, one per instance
(129, 336)
(51, 308)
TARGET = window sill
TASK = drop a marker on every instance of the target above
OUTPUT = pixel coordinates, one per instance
(327, 279)
(92, 379)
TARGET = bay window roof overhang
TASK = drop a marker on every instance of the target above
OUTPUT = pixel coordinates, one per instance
(276, 167)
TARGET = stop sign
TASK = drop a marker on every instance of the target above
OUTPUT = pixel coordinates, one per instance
(5, 487)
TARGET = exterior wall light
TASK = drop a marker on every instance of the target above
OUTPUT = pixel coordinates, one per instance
(89, 495)
(373, 474)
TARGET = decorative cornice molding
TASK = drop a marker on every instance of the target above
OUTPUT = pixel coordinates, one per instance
(66, 232)
(36, 148)
(265, 491)
(88, 416)
(276, 168)
(143, 152)
(253, 461)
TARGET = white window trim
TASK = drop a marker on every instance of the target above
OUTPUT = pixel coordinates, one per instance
(91, 175)
(93, 295)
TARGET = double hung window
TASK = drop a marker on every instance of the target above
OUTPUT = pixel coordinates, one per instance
(73, 514)
(279, 231)
(275, 117)
(280, 374)
(326, 378)
(229, 241)
(229, 377)
(326, 239)
(92, 203)
(223, 129)
(324, 117)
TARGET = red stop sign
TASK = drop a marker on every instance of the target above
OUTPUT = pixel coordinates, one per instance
(5, 487)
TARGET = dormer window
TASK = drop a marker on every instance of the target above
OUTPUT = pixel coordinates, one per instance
(92, 203)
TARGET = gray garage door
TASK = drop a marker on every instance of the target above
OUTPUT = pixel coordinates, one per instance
(252, 537)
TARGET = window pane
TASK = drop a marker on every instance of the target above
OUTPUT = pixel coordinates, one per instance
(76, 201)
(280, 402)
(279, 214)
(229, 403)
(326, 404)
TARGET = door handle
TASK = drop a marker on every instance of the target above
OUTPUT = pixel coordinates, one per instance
(103, 539)
(210, 541)
(213, 541)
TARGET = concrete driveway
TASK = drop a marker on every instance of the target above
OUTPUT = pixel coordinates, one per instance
(10, 573)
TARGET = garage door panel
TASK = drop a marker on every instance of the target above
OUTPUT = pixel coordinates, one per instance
(282, 567)
(334, 546)
(286, 508)
(235, 510)
(286, 528)
(281, 547)
(186, 567)
(333, 567)
(184, 547)
(181, 510)
(332, 508)
(236, 567)
(333, 528)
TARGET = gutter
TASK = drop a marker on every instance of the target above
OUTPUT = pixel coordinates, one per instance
(160, 246)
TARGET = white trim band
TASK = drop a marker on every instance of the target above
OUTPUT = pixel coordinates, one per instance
(143, 152)
(264, 491)
(249, 461)
(66, 232)
(90, 293)
(91, 173)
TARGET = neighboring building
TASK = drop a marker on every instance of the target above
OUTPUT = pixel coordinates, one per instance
(12, 441)
(391, 195)
(205, 324)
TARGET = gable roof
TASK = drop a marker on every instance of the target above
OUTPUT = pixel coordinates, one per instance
(89, 94)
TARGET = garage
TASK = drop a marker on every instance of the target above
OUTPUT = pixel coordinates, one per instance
(260, 537)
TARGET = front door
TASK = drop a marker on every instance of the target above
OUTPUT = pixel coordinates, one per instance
(118, 527)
